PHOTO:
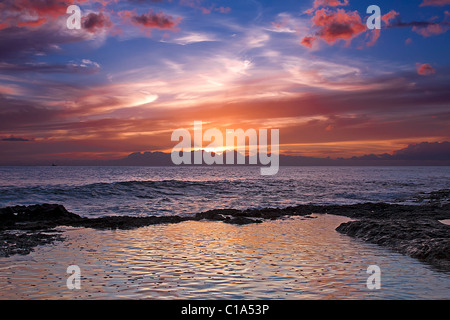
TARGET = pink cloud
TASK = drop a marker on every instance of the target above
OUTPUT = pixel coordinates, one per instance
(196, 4)
(34, 23)
(205, 10)
(339, 24)
(32, 13)
(224, 10)
(375, 35)
(156, 20)
(326, 3)
(430, 30)
(150, 20)
(329, 3)
(308, 41)
(332, 25)
(425, 69)
(389, 16)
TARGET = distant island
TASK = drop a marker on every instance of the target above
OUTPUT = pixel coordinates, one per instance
(422, 154)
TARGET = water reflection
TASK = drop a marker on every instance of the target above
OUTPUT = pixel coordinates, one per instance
(290, 259)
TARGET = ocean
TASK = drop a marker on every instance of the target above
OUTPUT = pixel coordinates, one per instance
(142, 191)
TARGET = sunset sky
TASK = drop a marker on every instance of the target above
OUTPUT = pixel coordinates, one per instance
(139, 69)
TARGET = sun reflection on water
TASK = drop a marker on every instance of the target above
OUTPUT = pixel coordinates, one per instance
(296, 258)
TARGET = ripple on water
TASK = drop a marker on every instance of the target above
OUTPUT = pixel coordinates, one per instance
(287, 259)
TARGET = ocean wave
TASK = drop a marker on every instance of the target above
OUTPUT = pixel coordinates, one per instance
(204, 190)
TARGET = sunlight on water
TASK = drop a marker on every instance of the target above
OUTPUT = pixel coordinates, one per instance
(296, 258)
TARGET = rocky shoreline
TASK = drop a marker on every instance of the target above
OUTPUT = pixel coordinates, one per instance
(412, 230)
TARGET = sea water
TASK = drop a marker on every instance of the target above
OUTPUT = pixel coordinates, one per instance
(141, 191)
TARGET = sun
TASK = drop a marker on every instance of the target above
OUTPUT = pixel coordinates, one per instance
(216, 150)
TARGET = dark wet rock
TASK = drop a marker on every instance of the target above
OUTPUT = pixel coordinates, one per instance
(24, 227)
(217, 215)
(242, 221)
(35, 217)
(439, 197)
(24, 242)
(382, 211)
(413, 230)
(36, 213)
(425, 239)
(125, 223)
(254, 214)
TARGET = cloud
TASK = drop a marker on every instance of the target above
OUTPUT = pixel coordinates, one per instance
(424, 28)
(285, 23)
(424, 151)
(337, 25)
(435, 3)
(19, 42)
(155, 20)
(84, 67)
(150, 20)
(326, 3)
(32, 23)
(352, 116)
(344, 25)
(33, 13)
(308, 41)
(144, 1)
(191, 38)
(199, 5)
(329, 3)
(18, 114)
(223, 10)
(15, 139)
(389, 16)
(430, 30)
(39, 27)
(375, 36)
(36, 13)
(95, 21)
(425, 69)
(222, 81)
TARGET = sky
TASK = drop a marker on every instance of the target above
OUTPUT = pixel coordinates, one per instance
(139, 69)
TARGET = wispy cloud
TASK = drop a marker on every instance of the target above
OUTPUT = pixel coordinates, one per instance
(435, 3)
(85, 67)
(191, 37)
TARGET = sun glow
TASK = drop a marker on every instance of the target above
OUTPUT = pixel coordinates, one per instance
(216, 150)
